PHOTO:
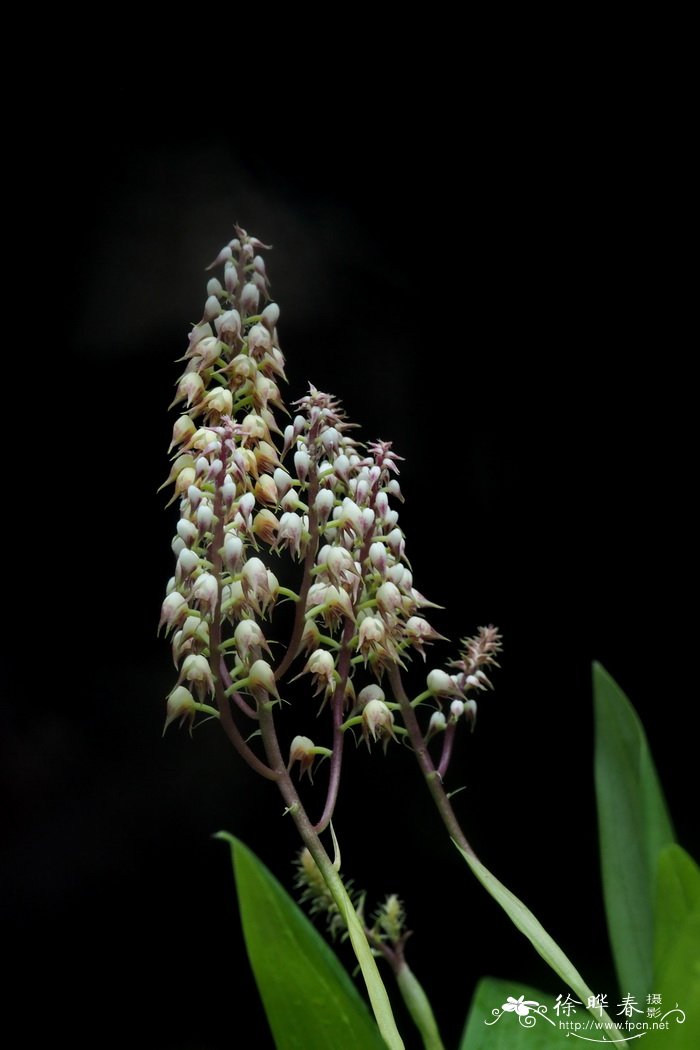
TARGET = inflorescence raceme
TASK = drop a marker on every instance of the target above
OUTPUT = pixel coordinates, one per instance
(253, 488)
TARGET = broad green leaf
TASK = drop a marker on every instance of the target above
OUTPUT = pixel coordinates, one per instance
(490, 1027)
(677, 951)
(309, 999)
(633, 825)
(542, 942)
(677, 900)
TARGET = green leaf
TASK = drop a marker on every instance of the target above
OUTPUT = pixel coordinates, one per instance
(677, 950)
(484, 1030)
(309, 999)
(634, 825)
(521, 916)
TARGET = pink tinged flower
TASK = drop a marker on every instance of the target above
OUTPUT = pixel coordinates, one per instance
(187, 531)
(180, 705)
(173, 611)
(456, 710)
(289, 533)
(381, 504)
(378, 557)
(283, 482)
(204, 353)
(250, 298)
(388, 598)
(394, 489)
(230, 276)
(259, 340)
(245, 506)
(442, 684)
(250, 641)
(206, 591)
(270, 316)
(396, 543)
(367, 522)
(470, 712)
(302, 461)
(341, 468)
(340, 565)
(224, 255)
(196, 670)
(187, 563)
(330, 439)
(261, 682)
(377, 722)
(228, 490)
(324, 504)
(204, 517)
(290, 501)
(350, 515)
(233, 552)
(228, 326)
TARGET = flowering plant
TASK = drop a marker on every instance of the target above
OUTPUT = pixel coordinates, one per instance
(291, 567)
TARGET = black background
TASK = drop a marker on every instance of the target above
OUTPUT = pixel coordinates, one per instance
(504, 297)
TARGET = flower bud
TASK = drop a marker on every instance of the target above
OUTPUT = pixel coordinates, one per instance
(324, 504)
(230, 277)
(250, 298)
(341, 468)
(270, 316)
(378, 557)
(187, 531)
(370, 692)
(290, 501)
(245, 506)
(456, 710)
(301, 464)
(204, 516)
(214, 286)
(266, 490)
(437, 724)
(212, 308)
(282, 481)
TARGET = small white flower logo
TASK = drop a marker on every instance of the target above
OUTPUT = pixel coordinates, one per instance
(520, 1006)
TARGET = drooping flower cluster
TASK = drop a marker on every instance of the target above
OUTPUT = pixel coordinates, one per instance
(250, 491)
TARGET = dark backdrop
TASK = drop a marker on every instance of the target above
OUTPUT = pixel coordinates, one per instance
(504, 304)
